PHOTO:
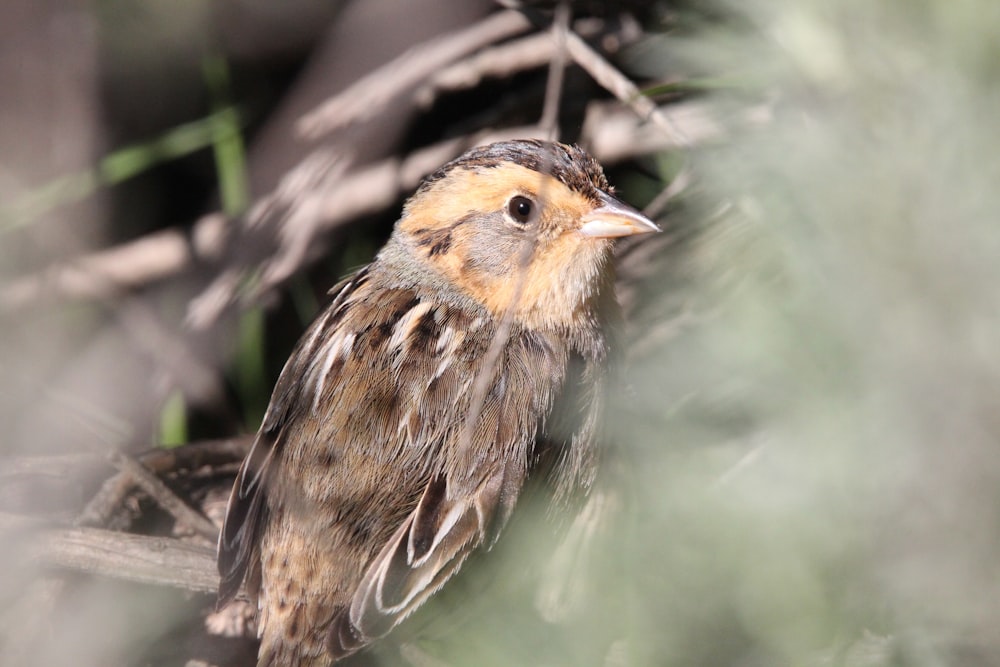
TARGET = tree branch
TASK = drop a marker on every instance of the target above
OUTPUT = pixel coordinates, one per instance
(397, 77)
(161, 561)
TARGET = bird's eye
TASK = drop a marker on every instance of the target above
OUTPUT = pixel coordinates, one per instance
(521, 209)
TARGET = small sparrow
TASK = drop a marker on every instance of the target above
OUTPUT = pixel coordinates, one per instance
(410, 414)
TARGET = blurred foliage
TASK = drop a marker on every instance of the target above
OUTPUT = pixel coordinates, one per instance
(227, 141)
(221, 130)
(251, 379)
(173, 422)
(814, 442)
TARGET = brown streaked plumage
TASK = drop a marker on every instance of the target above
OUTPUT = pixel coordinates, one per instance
(367, 488)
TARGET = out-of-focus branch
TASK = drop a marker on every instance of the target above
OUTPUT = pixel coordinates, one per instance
(398, 77)
(606, 74)
(549, 122)
(619, 85)
(504, 60)
(613, 134)
(152, 560)
(110, 497)
(130, 265)
(149, 560)
(318, 195)
(610, 134)
(185, 516)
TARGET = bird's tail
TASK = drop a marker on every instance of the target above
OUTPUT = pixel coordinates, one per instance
(288, 640)
(279, 653)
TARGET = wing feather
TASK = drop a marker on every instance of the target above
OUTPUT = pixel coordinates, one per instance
(427, 549)
(246, 513)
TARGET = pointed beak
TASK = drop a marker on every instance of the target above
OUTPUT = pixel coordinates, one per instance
(613, 219)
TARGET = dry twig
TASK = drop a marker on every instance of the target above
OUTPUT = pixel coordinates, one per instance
(164, 497)
(401, 75)
(619, 85)
(153, 560)
(111, 496)
(607, 75)
(549, 122)
(611, 136)
(501, 61)
(149, 560)
(130, 265)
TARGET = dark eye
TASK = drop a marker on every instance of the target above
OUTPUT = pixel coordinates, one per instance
(521, 209)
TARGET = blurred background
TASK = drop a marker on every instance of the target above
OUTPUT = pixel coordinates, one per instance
(806, 466)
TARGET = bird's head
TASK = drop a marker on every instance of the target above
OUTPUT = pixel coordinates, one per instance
(521, 225)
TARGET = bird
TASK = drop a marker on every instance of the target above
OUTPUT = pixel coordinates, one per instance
(468, 357)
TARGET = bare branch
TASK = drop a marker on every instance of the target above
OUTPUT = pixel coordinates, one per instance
(164, 497)
(606, 74)
(610, 135)
(400, 76)
(549, 122)
(619, 85)
(148, 259)
(613, 134)
(197, 454)
(149, 560)
(108, 500)
(110, 497)
(503, 60)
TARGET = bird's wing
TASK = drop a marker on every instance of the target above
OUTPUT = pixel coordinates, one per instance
(427, 549)
(246, 512)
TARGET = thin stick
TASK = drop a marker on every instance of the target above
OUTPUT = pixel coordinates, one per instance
(491, 359)
(610, 137)
(373, 92)
(606, 75)
(549, 122)
(156, 256)
(108, 499)
(164, 497)
(111, 496)
(197, 454)
(151, 560)
(616, 83)
(504, 60)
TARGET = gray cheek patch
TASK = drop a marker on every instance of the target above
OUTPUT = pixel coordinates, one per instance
(495, 248)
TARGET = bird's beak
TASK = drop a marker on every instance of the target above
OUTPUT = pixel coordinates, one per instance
(613, 219)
